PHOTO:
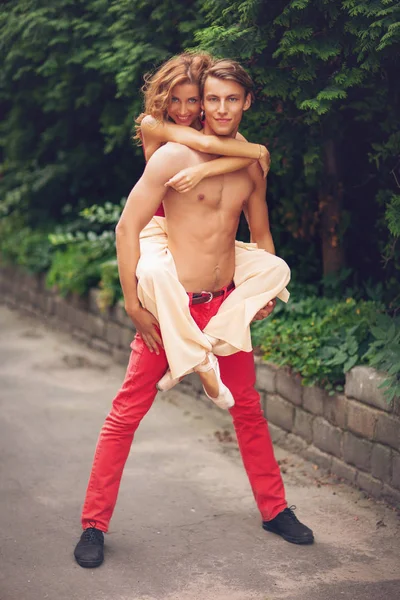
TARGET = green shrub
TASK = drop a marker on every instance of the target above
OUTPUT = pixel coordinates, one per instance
(319, 338)
(110, 287)
(23, 246)
(86, 258)
(384, 353)
(74, 269)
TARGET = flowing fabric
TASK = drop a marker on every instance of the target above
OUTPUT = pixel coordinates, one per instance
(259, 277)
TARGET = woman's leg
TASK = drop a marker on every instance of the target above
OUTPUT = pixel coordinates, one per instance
(259, 277)
(161, 293)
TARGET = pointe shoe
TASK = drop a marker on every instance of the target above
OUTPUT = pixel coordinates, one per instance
(167, 382)
(224, 399)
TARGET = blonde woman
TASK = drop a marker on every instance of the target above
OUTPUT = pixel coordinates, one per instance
(173, 114)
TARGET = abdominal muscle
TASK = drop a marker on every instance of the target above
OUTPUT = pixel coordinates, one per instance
(203, 248)
(202, 226)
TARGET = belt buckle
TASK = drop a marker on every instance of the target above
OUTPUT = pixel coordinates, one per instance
(210, 298)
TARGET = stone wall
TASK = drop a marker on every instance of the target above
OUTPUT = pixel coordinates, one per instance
(355, 435)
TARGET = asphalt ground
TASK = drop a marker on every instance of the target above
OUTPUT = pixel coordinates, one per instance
(186, 526)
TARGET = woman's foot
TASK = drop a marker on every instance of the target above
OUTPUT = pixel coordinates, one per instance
(167, 382)
(212, 385)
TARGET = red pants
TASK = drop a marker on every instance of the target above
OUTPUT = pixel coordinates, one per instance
(135, 398)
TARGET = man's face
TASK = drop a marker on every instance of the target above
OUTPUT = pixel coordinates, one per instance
(224, 102)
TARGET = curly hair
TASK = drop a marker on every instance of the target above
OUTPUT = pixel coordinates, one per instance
(184, 68)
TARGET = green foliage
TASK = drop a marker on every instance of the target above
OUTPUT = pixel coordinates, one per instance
(76, 257)
(75, 269)
(325, 72)
(393, 215)
(326, 75)
(69, 92)
(86, 258)
(108, 214)
(53, 99)
(20, 245)
(317, 337)
(384, 353)
(110, 287)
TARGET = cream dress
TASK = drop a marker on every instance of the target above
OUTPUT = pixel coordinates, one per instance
(259, 277)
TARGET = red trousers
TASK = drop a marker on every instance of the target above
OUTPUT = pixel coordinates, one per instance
(135, 398)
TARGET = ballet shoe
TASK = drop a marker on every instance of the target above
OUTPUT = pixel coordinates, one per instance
(224, 399)
(167, 382)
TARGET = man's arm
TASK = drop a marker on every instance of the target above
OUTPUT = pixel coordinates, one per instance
(256, 212)
(142, 203)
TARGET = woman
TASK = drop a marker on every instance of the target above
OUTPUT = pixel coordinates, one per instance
(172, 113)
(164, 111)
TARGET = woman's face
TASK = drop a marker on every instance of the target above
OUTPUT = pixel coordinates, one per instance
(184, 104)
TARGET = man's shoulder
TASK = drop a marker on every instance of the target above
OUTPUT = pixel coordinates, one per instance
(167, 161)
(173, 150)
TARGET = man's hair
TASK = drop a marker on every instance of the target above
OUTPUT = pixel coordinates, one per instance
(184, 68)
(228, 70)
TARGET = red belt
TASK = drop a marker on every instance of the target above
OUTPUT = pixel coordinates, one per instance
(205, 297)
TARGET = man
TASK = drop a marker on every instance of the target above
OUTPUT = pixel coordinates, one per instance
(201, 233)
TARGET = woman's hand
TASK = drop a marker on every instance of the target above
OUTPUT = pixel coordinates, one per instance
(187, 179)
(264, 160)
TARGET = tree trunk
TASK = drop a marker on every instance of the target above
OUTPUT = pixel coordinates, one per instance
(330, 209)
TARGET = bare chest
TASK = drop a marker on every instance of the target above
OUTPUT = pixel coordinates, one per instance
(223, 193)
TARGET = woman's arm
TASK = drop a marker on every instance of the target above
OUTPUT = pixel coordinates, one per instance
(156, 131)
(188, 178)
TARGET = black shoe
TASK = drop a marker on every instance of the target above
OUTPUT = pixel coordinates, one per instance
(89, 551)
(289, 527)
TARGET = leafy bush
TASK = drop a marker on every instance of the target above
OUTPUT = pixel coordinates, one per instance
(74, 269)
(86, 258)
(319, 338)
(110, 287)
(384, 353)
(327, 88)
(24, 246)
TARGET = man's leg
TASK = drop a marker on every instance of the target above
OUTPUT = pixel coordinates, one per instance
(129, 407)
(238, 373)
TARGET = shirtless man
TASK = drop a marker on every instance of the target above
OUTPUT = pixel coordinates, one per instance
(201, 230)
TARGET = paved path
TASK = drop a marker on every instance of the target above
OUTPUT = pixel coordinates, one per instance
(186, 526)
